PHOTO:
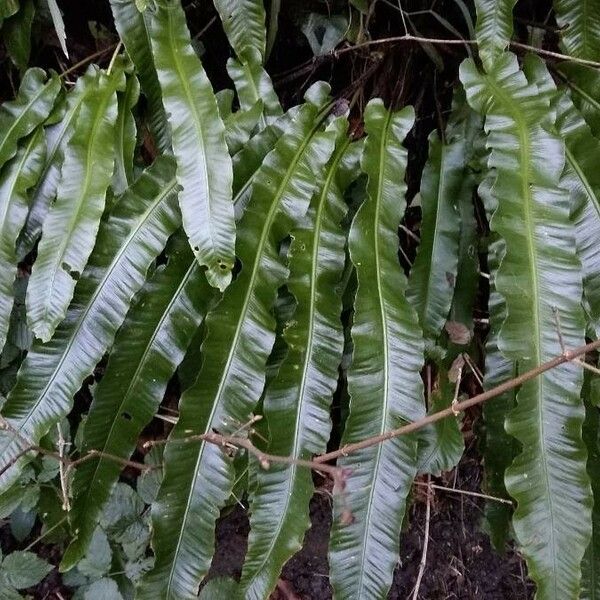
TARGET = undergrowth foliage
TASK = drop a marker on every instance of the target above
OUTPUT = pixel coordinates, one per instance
(160, 235)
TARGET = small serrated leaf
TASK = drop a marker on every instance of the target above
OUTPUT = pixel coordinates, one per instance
(23, 569)
(103, 589)
(98, 557)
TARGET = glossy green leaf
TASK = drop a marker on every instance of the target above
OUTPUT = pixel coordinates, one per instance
(8, 8)
(59, 25)
(204, 168)
(199, 476)
(133, 28)
(247, 161)
(273, 25)
(384, 379)
(579, 22)
(432, 277)
(125, 136)
(582, 178)
(468, 275)
(324, 32)
(128, 241)
(434, 271)
(590, 581)
(244, 25)
(240, 125)
(57, 136)
(16, 34)
(253, 84)
(246, 164)
(538, 274)
(17, 177)
(494, 28)
(584, 84)
(297, 401)
(31, 107)
(147, 350)
(499, 449)
(441, 445)
(71, 226)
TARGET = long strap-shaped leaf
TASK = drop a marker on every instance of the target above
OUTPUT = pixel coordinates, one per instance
(581, 177)
(252, 83)
(433, 274)
(467, 279)
(158, 330)
(16, 178)
(30, 108)
(539, 272)
(198, 476)
(70, 229)
(584, 85)
(579, 21)
(499, 448)
(204, 168)
(125, 136)
(57, 136)
(8, 8)
(494, 28)
(297, 401)
(590, 567)
(52, 373)
(132, 27)
(244, 25)
(441, 445)
(384, 379)
(147, 350)
(239, 126)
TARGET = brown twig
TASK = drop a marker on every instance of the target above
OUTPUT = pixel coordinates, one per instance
(464, 492)
(315, 61)
(63, 471)
(65, 461)
(462, 42)
(338, 475)
(88, 59)
(567, 356)
(458, 407)
(423, 562)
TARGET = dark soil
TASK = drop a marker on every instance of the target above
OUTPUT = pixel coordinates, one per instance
(461, 564)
